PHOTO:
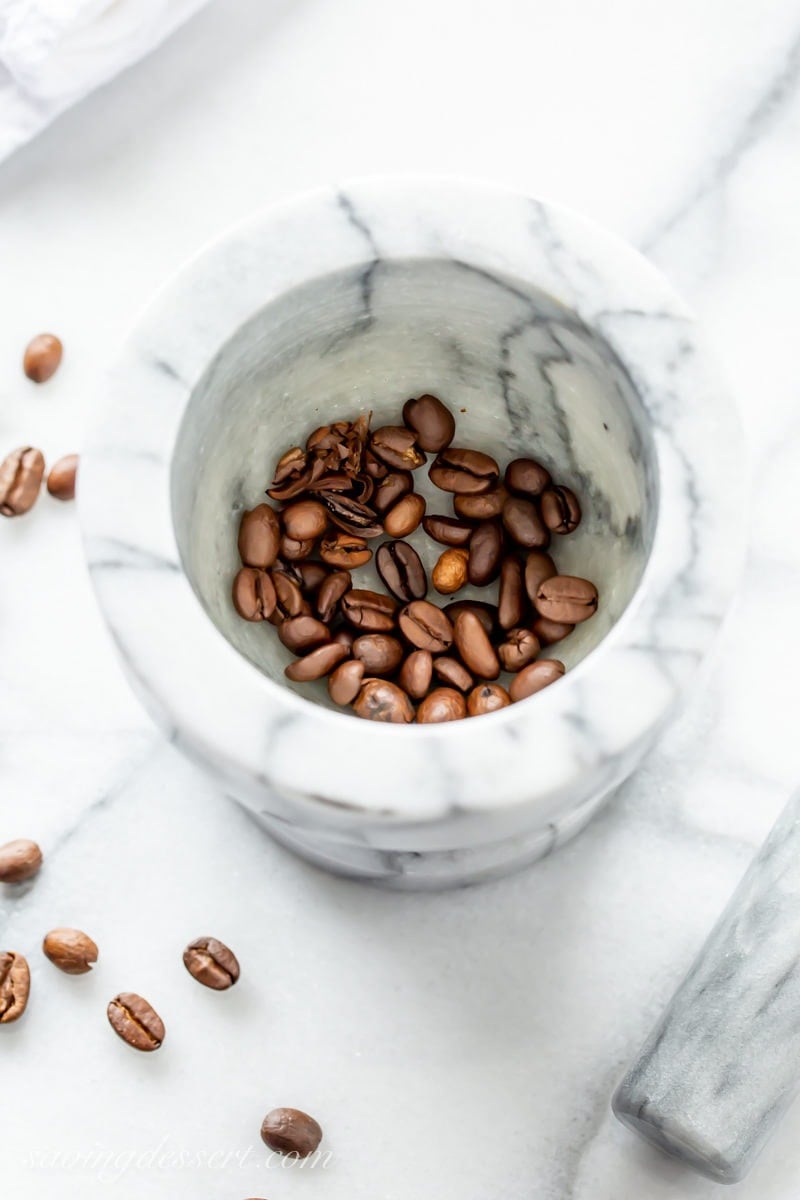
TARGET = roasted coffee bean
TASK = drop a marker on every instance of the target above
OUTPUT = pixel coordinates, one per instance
(472, 643)
(290, 465)
(344, 550)
(136, 1021)
(511, 603)
(304, 633)
(289, 1131)
(465, 472)
(486, 698)
(566, 599)
(289, 600)
(370, 611)
(353, 516)
(416, 674)
(379, 700)
(21, 474)
(450, 572)
(211, 963)
(538, 567)
(62, 477)
(401, 570)
(397, 447)
(486, 613)
(15, 986)
(443, 704)
(330, 593)
(561, 511)
(549, 632)
(406, 515)
(380, 653)
(344, 683)
(259, 537)
(426, 627)
(373, 466)
(481, 507)
(296, 486)
(527, 477)
(71, 950)
(485, 553)
(19, 860)
(42, 357)
(294, 551)
(312, 575)
(392, 488)
(344, 637)
(453, 673)
(318, 663)
(521, 519)
(305, 520)
(520, 648)
(337, 482)
(433, 424)
(534, 677)
(449, 531)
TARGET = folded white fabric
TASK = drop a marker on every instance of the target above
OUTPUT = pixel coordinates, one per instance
(53, 52)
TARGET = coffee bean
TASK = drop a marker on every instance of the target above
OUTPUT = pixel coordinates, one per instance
(526, 476)
(19, 860)
(486, 698)
(472, 643)
(397, 447)
(353, 516)
(448, 530)
(318, 663)
(549, 632)
(481, 507)
(289, 600)
(416, 674)
(511, 604)
(344, 683)
(538, 567)
(330, 593)
(370, 611)
(42, 357)
(21, 474)
(406, 515)
(450, 572)
(392, 488)
(312, 575)
(379, 700)
(303, 633)
(465, 472)
(305, 520)
(211, 963)
(290, 465)
(426, 627)
(373, 466)
(533, 678)
(433, 424)
(294, 551)
(71, 950)
(344, 550)
(561, 511)
(344, 637)
(380, 653)
(566, 599)
(62, 477)
(453, 673)
(136, 1021)
(485, 553)
(15, 986)
(289, 1131)
(259, 537)
(521, 519)
(443, 704)
(520, 648)
(401, 570)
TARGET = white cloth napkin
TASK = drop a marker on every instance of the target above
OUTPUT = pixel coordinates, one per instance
(53, 52)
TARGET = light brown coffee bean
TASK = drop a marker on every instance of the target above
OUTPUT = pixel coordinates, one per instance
(465, 472)
(426, 627)
(443, 704)
(487, 614)
(549, 632)
(482, 507)
(566, 599)
(472, 643)
(486, 698)
(432, 423)
(379, 700)
(21, 474)
(520, 648)
(253, 594)
(71, 950)
(136, 1022)
(353, 516)
(485, 553)
(62, 478)
(511, 602)
(449, 531)
(406, 515)
(303, 633)
(19, 860)
(293, 551)
(450, 572)
(401, 569)
(312, 575)
(318, 663)
(373, 612)
(533, 678)
(397, 447)
(344, 550)
(290, 1131)
(538, 567)
(380, 653)
(15, 986)
(330, 593)
(42, 357)
(561, 511)
(259, 537)
(289, 600)
(392, 488)
(305, 520)
(416, 674)
(211, 963)
(453, 673)
(522, 521)
(527, 477)
(344, 683)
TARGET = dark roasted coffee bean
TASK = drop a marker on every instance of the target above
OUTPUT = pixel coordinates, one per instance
(548, 631)
(71, 950)
(211, 963)
(481, 507)
(304, 633)
(312, 575)
(136, 1021)
(289, 600)
(416, 674)
(392, 488)
(433, 424)
(289, 1131)
(472, 643)
(486, 613)
(406, 515)
(344, 637)
(521, 519)
(520, 648)
(566, 599)
(380, 653)
(379, 700)
(305, 520)
(330, 593)
(526, 476)
(485, 553)
(453, 673)
(538, 567)
(465, 472)
(486, 698)
(344, 683)
(449, 531)
(511, 603)
(62, 477)
(534, 677)
(443, 704)
(373, 612)
(344, 550)
(353, 516)
(318, 663)
(397, 447)
(15, 986)
(21, 474)
(42, 357)
(426, 627)
(19, 860)
(374, 467)
(401, 570)
(294, 551)
(450, 572)
(259, 537)
(561, 511)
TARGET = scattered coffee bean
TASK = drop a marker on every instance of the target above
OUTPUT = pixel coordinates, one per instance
(312, 575)
(549, 632)
(450, 573)
(19, 860)
(533, 678)
(289, 600)
(538, 567)
(426, 627)
(353, 516)
(42, 357)
(392, 488)
(71, 950)
(21, 474)
(211, 963)
(465, 472)
(520, 648)
(303, 633)
(401, 570)
(486, 698)
(481, 507)
(136, 1022)
(432, 423)
(416, 674)
(373, 612)
(406, 515)
(522, 521)
(448, 530)
(397, 447)
(293, 551)
(15, 986)
(485, 553)
(453, 673)
(379, 700)
(526, 476)
(330, 594)
(561, 511)
(487, 614)
(289, 1131)
(380, 653)
(566, 599)
(344, 683)
(253, 594)
(474, 646)
(62, 477)
(317, 664)
(259, 537)
(344, 550)
(442, 704)
(511, 603)
(305, 520)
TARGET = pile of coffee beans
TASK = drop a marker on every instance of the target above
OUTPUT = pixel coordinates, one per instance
(396, 656)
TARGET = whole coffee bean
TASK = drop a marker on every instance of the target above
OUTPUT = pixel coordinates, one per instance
(380, 653)
(511, 603)
(136, 1022)
(15, 986)
(401, 570)
(448, 530)
(211, 963)
(344, 550)
(406, 515)
(294, 551)
(465, 472)
(520, 648)
(534, 677)
(370, 611)
(289, 600)
(453, 673)
(21, 474)
(392, 488)
(312, 575)
(433, 424)
(259, 537)
(416, 674)
(397, 447)
(344, 683)
(318, 663)
(426, 627)
(486, 698)
(62, 477)
(521, 519)
(344, 637)
(485, 553)
(472, 643)
(305, 520)
(561, 511)
(42, 357)
(379, 700)
(538, 567)
(330, 593)
(450, 572)
(481, 507)
(303, 633)
(549, 632)
(353, 516)
(19, 860)
(443, 704)
(71, 950)
(527, 477)
(289, 1131)
(566, 599)
(487, 614)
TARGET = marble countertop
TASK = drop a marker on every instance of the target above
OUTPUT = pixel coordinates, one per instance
(457, 1046)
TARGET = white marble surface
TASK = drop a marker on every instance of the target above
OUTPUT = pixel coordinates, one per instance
(457, 1046)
